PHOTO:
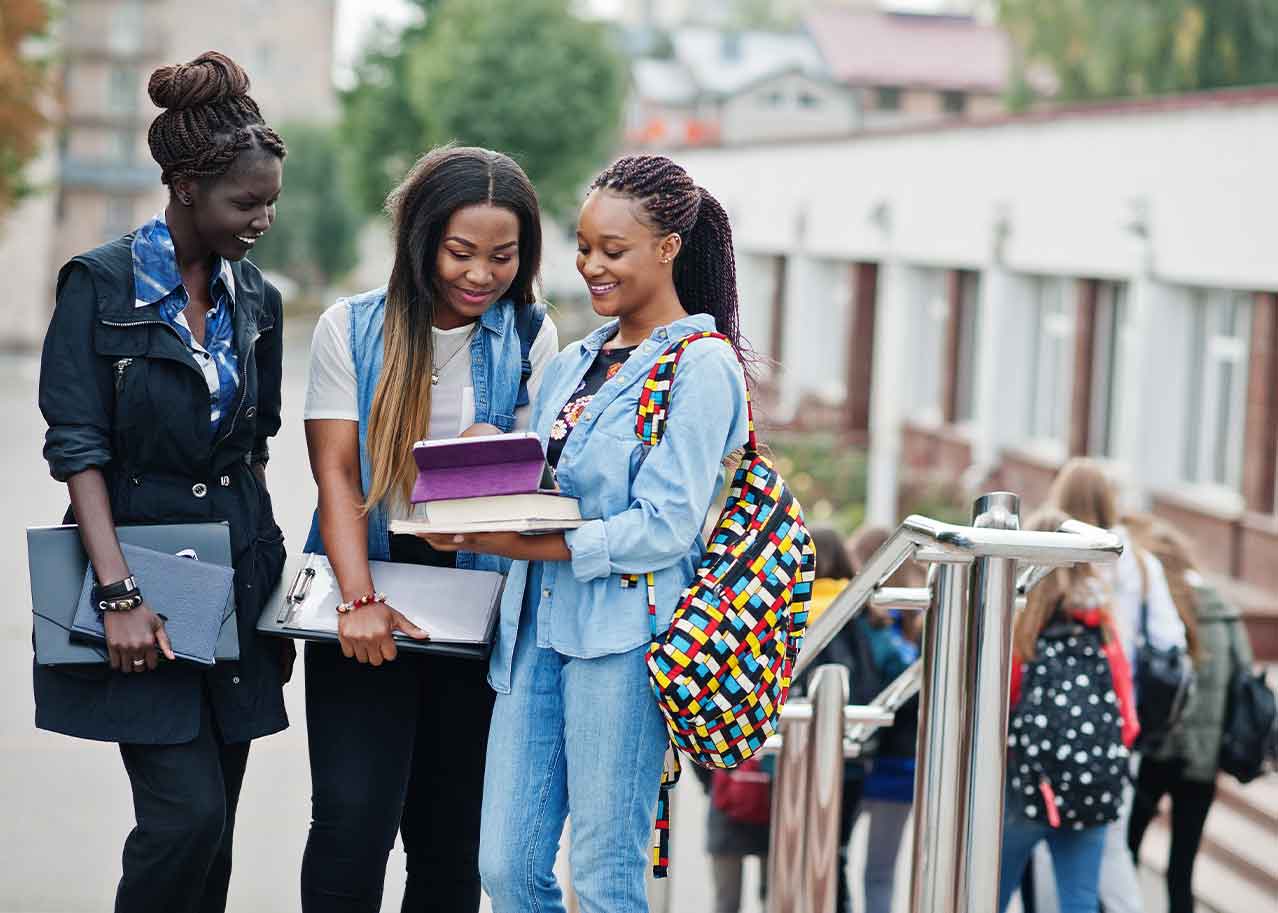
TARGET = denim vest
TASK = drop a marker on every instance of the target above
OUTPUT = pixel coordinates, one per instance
(496, 361)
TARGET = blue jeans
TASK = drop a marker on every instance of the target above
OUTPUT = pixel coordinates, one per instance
(579, 737)
(1076, 860)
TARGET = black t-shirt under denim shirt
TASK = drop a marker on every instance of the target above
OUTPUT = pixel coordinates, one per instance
(607, 363)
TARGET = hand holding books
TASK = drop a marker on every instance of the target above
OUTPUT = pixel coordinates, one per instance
(486, 483)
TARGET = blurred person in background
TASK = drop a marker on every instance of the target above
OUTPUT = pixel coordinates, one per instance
(889, 788)
(1185, 765)
(1082, 491)
(738, 819)
(1072, 723)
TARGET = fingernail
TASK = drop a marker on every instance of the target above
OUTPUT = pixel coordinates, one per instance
(457, 538)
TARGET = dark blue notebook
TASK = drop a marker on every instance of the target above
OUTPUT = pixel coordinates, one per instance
(195, 598)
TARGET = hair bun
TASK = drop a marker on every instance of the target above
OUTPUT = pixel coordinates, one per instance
(209, 78)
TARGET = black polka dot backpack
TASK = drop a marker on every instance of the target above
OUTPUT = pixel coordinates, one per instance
(1066, 761)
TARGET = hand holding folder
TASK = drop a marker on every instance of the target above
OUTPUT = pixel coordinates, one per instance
(456, 607)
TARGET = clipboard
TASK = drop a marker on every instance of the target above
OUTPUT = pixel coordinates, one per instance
(457, 607)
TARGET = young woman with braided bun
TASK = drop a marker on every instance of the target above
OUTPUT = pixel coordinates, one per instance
(160, 383)
(576, 729)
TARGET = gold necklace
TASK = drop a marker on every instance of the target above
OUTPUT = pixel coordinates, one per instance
(435, 370)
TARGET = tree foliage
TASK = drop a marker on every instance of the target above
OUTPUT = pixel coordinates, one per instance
(525, 77)
(21, 81)
(315, 237)
(1106, 49)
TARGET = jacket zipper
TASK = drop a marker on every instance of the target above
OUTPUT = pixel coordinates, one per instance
(248, 353)
(119, 367)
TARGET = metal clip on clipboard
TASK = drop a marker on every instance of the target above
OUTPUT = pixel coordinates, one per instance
(297, 593)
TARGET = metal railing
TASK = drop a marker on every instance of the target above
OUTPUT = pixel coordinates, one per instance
(962, 683)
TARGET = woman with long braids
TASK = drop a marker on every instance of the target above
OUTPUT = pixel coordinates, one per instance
(457, 338)
(576, 729)
(160, 383)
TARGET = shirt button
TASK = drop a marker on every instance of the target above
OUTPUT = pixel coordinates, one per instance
(546, 592)
(199, 489)
(235, 679)
(250, 412)
(585, 416)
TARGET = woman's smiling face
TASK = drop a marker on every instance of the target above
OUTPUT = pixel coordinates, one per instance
(619, 256)
(476, 263)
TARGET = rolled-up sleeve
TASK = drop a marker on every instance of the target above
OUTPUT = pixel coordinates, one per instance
(76, 392)
(674, 487)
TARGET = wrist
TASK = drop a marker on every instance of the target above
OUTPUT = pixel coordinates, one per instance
(359, 602)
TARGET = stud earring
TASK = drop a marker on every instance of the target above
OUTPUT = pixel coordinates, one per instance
(185, 200)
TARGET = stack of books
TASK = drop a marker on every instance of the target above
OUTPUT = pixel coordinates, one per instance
(498, 483)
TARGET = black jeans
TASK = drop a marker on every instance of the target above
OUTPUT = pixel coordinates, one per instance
(178, 856)
(1190, 802)
(399, 747)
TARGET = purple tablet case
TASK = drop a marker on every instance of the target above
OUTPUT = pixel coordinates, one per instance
(479, 467)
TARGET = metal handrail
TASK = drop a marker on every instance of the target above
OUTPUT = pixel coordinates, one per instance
(931, 540)
(962, 683)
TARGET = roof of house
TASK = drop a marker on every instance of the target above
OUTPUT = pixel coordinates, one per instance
(665, 82)
(723, 62)
(869, 48)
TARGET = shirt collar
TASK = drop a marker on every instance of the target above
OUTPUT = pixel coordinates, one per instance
(155, 269)
(684, 326)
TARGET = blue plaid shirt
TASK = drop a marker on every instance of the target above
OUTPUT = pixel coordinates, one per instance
(157, 280)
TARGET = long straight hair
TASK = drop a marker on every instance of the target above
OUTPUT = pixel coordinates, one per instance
(1065, 588)
(442, 181)
(1175, 553)
(1083, 491)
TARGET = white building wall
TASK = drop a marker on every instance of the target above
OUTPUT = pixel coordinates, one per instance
(1163, 200)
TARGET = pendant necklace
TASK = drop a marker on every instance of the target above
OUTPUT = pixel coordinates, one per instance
(437, 369)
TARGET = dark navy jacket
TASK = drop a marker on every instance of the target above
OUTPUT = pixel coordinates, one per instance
(122, 393)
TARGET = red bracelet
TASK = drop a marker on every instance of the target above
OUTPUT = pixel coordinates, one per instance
(366, 599)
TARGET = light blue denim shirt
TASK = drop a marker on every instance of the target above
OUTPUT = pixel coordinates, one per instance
(650, 502)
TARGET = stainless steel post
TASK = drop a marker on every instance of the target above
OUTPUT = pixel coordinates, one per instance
(789, 792)
(941, 756)
(829, 693)
(988, 663)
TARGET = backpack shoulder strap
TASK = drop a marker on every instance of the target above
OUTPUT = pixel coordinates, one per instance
(528, 321)
(654, 399)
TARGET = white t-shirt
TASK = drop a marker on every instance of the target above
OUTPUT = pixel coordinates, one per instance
(331, 389)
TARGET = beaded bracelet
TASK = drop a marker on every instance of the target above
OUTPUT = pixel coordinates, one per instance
(366, 599)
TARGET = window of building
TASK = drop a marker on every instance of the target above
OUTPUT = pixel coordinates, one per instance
(1218, 388)
(1051, 374)
(1109, 344)
(969, 330)
(888, 98)
(122, 146)
(125, 30)
(122, 90)
(953, 102)
(928, 334)
(773, 98)
(119, 217)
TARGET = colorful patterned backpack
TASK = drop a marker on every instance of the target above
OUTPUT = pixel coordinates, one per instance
(721, 671)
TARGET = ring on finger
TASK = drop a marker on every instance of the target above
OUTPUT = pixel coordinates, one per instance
(139, 663)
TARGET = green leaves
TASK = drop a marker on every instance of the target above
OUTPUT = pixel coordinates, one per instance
(524, 77)
(314, 239)
(1103, 49)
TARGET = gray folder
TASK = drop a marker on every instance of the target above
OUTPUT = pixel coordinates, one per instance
(457, 607)
(58, 564)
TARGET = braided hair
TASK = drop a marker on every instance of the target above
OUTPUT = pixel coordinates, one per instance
(208, 120)
(705, 272)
